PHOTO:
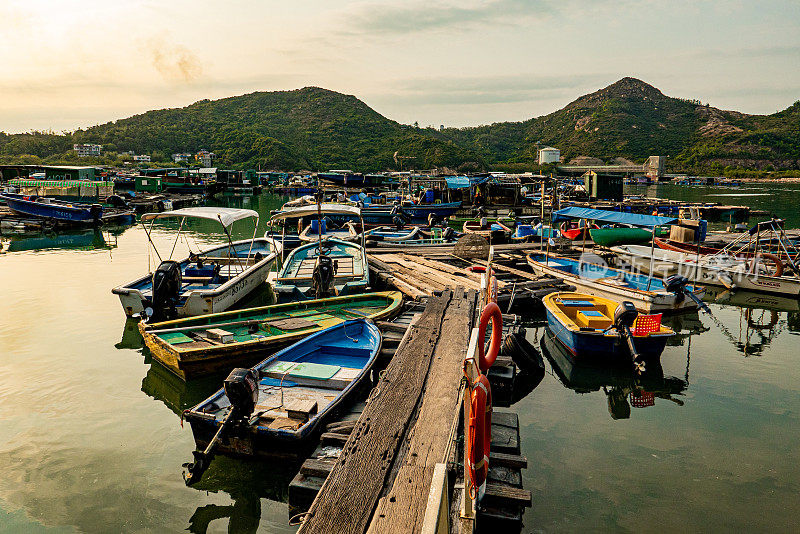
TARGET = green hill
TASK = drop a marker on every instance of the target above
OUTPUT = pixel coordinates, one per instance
(316, 129)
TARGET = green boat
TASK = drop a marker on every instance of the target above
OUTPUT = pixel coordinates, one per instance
(610, 237)
(217, 342)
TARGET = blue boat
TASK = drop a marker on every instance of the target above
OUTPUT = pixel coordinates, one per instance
(49, 208)
(299, 387)
(384, 214)
(584, 324)
(342, 177)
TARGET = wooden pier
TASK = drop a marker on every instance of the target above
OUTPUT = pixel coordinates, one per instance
(398, 466)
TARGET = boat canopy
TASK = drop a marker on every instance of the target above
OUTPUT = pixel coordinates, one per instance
(226, 216)
(312, 210)
(634, 219)
(457, 182)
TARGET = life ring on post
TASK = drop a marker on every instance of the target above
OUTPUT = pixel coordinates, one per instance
(755, 260)
(479, 435)
(487, 358)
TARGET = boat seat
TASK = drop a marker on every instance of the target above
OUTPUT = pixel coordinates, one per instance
(592, 319)
(576, 303)
(206, 271)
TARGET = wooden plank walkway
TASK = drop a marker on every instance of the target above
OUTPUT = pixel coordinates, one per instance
(381, 480)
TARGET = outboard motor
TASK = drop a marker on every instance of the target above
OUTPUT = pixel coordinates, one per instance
(241, 388)
(624, 316)
(322, 278)
(116, 201)
(433, 220)
(399, 222)
(167, 281)
(448, 234)
(96, 211)
(677, 284)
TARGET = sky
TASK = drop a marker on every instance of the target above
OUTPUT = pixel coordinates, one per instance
(69, 64)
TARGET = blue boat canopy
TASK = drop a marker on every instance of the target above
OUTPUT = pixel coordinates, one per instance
(634, 219)
(457, 182)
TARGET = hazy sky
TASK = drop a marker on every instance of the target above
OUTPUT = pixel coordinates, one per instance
(69, 64)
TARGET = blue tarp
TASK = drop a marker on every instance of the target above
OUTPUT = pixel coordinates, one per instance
(457, 182)
(634, 219)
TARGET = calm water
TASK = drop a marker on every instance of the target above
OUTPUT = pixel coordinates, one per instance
(91, 441)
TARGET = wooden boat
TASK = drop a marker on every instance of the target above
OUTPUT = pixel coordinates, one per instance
(388, 234)
(50, 208)
(221, 341)
(298, 389)
(349, 275)
(576, 232)
(496, 232)
(311, 233)
(718, 270)
(649, 295)
(584, 324)
(609, 237)
(210, 281)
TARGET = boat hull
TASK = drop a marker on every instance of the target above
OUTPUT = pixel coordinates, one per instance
(609, 237)
(189, 362)
(58, 211)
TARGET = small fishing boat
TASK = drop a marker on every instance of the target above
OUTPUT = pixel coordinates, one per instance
(327, 267)
(432, 237)
(750, 274)
(208, 281)
(496, 232)
(221, 341)
(544, 231)
(648, 294)
(283, 400)
(349, 231)
(609, 237)
(576, 231)
(50, 208)
(588, 326)
(388, 234)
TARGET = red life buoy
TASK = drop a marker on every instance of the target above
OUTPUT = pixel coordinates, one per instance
(752, 265)
(486, 359)
(479, 434)
(476, 269)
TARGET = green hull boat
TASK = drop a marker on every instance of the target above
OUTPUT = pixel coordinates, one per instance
(610, 237)
(217, 342)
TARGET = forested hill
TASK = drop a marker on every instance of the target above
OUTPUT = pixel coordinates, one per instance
(316, 129)
(634, 120)
(309, 128)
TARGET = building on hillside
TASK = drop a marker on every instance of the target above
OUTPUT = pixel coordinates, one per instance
(205, 157)
(86, 150)
(549, 154)
(182, 156)
(143, 158)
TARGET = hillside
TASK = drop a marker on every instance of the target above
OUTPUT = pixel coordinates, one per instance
(634, 120)
(314, 128)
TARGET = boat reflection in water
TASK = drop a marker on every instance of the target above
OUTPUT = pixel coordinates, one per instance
(131, 337)
(247, 482)
(623, 386)
(86, 239)
(163, 385)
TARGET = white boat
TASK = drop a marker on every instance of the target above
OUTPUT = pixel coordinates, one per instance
(718, 270)
(649, 295)
(208, 281)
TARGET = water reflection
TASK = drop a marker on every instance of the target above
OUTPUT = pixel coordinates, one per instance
(624, 388)
(85, 239)
(131, 337)
(247, 482)
(178, 395)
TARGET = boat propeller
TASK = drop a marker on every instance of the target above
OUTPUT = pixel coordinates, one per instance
(624, 317)
(241, 388)
(679, 285)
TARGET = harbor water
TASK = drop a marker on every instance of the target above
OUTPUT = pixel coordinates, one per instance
(91, 437)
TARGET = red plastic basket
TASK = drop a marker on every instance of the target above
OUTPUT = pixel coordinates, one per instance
(645, 324)
(642, 399)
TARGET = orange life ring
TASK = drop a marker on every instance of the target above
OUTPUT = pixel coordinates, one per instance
(479, 434)
(771, 257)
(476, 269)
(487, 358)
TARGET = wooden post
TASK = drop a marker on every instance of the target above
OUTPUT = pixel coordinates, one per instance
(468, 504)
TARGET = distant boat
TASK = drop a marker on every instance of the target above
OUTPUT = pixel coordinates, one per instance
(342, 177)
(609, 237)
(221, 341)
(577, 231)
(649, 295)
(49, 208)
(497, 232)
(585, 325)
(209, 281)
(296, 390)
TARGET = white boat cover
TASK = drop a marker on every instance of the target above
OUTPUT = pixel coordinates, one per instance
(311, 210)
(226, 216)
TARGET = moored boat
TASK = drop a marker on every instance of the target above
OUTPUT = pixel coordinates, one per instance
(587, 326)
(283, 400)
(219, 342)
(648, 294)
(496, 232)
(50, 208)
(609, 237)
(211, 280)
(576, 231)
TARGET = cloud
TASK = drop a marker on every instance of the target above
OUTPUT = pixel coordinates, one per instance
(175, 63)
(417, 16)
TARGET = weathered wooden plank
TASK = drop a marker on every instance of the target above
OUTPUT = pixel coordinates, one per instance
(514, 461)
(431, 277)
(349, 496)
(402, 508)
(496, 492)
(316, 468)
